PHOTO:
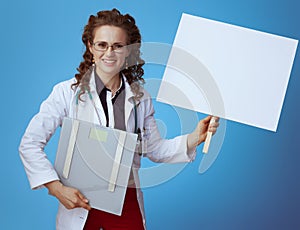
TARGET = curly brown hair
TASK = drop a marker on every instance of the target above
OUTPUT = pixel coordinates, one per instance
(134, 71)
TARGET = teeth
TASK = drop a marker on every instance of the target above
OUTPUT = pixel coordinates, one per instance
(109, 61)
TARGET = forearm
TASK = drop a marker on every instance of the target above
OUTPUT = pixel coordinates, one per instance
(54, 187)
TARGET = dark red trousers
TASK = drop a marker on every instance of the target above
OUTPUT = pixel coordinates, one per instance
(131, 218)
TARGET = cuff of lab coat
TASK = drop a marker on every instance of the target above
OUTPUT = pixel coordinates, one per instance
(191, 153)
(38, 183)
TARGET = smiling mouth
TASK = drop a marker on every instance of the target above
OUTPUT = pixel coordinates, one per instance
(108, 61)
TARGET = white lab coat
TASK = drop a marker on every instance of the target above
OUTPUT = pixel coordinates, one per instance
(61, 103)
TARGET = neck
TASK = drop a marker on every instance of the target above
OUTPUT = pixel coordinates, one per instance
(110, 82)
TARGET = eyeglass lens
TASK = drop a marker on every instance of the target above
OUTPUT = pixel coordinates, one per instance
(103, 46)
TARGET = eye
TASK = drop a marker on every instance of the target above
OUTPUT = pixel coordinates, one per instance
(101, 45)
(118, 46)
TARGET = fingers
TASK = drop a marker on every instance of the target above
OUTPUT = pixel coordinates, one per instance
(82, 197)
(213, 125)
(77, 200)
(206, 120)
(73, 198)
(84, 202)
(216, 119)
(210, 119)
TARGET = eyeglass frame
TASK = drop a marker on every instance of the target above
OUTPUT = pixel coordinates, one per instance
(114, 49)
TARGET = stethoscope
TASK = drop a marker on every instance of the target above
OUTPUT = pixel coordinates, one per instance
(137, 130)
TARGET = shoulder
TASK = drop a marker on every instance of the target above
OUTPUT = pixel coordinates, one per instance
(146, 101)
(146, 94)
(146, 98)
(64, 87)
(65, 84)
(62, 92)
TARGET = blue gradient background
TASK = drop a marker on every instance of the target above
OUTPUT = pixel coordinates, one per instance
(254, 184)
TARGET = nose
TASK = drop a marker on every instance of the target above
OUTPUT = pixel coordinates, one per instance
(109, 51)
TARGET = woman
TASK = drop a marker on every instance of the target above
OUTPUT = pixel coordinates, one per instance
(111, 72)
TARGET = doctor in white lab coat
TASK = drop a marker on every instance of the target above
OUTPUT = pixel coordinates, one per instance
(106, 60)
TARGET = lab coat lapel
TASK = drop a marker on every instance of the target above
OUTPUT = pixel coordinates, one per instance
(87, 109)
(128, 107)
(97, 103)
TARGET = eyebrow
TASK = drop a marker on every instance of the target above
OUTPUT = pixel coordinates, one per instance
(113, 43)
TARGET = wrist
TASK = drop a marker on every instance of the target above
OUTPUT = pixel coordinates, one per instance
(54, 187)
(191, 141)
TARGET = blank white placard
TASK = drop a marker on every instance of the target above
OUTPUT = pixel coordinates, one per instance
(249, 70)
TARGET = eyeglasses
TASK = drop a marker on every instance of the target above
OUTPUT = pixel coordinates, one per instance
(103, 46)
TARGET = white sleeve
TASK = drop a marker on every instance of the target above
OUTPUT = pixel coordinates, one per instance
(164, 150)
(42, 126)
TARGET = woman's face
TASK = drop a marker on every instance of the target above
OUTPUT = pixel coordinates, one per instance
(109, 50)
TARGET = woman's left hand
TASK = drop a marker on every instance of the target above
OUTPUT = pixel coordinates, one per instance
(199, 135)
